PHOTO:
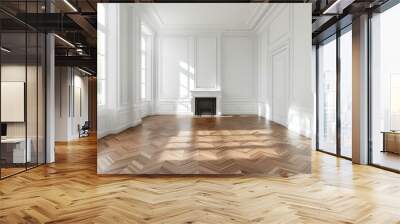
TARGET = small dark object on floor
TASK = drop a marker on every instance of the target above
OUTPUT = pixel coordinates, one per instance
(84, 130)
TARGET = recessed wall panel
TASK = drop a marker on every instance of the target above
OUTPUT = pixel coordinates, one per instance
(174, 71)
(206, 63)
(237, 68)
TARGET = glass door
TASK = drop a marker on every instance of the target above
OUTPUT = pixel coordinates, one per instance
(346, 92)
(14, 144)
(334, 100)
(23, 89)
(327, 96)
(385, 89)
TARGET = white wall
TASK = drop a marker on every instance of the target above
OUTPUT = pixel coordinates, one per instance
(33, 125)
(285, 77)
(68, 82)
(81, 112)
(204, 61)
(238, 80)
(175, 75)
(62, 113)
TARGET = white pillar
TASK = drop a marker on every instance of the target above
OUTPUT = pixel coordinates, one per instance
(50, 99)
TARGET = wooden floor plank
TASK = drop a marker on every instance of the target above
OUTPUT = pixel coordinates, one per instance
(205, 145)
(70, 191)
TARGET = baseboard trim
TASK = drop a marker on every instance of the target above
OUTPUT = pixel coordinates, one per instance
(118, 129)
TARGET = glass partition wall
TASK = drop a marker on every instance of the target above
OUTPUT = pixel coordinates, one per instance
(385, 89)
(22, 116)
(334, 85)
(346, 95)
(327, 95)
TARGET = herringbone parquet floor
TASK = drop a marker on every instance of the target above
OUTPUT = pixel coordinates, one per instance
(70, 191)
(206, 145)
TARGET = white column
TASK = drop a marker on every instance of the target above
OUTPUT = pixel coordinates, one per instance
(50, 99)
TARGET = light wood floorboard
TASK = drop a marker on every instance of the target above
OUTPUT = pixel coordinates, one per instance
(70, 191)
(246, 145)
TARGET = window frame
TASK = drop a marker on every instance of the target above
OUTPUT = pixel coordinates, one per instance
(102, 78)
(380, 9)
(334, 37)
(148, 36)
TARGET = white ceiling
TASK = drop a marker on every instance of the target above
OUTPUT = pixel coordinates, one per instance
(233, 16)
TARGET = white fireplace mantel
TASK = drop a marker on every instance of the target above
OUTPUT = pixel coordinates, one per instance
(207, 93)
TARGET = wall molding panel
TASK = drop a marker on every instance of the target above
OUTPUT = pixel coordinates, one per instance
(284, 33)
(238, 79)
(206, 67)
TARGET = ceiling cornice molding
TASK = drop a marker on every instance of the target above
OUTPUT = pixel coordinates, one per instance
(274, 10)
(250, 25)
(202, 27)
(153, 11)
(148, 16)
(258, 14)
(187, 32)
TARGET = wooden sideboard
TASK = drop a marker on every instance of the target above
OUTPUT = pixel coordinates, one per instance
(391, 141)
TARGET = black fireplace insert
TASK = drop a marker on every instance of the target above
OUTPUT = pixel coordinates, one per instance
(205, 106)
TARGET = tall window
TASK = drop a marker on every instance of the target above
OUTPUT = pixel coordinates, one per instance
(346, 93)
(385, 89)
(327, 96)
(146, 46)
(143, 67)
(394, 101)
(101, 52)
(335, 94)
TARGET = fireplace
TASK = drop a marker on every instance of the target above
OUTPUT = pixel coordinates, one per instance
(205, 106)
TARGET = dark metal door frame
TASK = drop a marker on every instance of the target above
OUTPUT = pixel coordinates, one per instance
(338, 153)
